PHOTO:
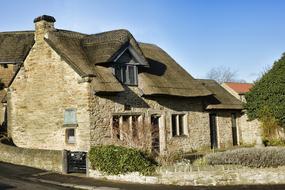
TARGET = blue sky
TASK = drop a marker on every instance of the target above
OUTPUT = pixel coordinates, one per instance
(245, 35)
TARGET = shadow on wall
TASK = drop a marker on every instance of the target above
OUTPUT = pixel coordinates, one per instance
(177, 103)
(128, 97)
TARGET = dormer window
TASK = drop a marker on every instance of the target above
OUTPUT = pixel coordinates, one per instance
(127, 73)
(126, 65)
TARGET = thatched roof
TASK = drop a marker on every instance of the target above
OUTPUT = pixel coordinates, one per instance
(90, 55)
(14, 46)
(222, 99)
(70, 46)
(166, 77)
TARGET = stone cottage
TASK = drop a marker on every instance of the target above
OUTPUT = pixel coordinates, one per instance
(73, 91)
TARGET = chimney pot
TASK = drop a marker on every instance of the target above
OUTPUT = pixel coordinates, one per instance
(46, 18)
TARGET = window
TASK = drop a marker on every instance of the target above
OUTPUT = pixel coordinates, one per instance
(125, 127)
(70, 117)
(127, 73)
(70, 136)
(178, 124)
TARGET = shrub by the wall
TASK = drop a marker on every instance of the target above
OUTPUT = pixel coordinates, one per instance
(116, 160)
(252, 157)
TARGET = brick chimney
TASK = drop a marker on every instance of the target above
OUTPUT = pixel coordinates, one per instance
(43, 24)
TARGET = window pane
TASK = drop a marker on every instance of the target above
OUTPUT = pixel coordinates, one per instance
(70, 116)
(70, 135)
(131, 75)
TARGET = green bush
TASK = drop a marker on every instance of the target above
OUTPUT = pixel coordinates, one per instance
(251, 157)
(268, 94)
(273, 142)
(116, 160)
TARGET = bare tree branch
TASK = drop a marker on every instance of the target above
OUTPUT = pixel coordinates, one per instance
(223, 74)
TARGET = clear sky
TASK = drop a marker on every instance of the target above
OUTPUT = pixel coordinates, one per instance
(245, 35)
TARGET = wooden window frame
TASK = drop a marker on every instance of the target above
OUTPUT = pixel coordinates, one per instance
(120, 135)
(176, 130)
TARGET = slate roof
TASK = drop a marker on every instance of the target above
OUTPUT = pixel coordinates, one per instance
(223, 99)
(240, 88)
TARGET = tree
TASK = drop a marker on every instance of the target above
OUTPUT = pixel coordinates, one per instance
(223, 74)
(268, 94)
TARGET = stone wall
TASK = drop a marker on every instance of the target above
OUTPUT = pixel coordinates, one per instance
(197, 120)
(44, 159)
(44, 87)
(224, 128)
(216, 176)
(250, 130)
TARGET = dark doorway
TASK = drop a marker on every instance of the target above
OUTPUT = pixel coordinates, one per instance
(76, 162)
(213, 130)
(155, 134)
(234, 129)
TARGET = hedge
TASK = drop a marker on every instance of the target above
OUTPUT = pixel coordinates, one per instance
(251, 157)
(114, 160)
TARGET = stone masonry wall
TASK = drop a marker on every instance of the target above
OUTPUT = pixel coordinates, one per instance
(197, 120)
(224, 128)
(250, 130)
(44, 159)
(214, 177)
(44, 87)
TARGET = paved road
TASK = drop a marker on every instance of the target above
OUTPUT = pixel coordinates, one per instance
(25, 178)
(17, 177)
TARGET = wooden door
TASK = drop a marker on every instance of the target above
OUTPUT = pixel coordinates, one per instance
(213, 131)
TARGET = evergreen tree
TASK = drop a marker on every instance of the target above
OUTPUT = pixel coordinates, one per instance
(268, 94)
